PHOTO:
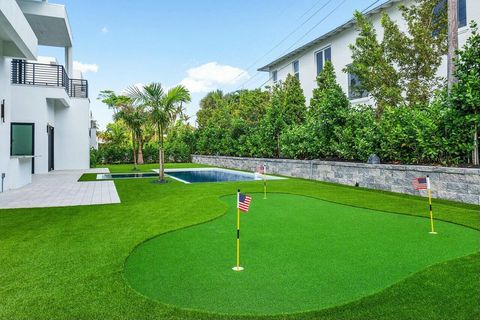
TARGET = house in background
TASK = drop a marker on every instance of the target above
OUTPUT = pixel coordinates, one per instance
(307, 61)
(45, 109)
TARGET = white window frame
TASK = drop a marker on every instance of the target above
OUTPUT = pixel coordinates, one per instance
(322, 50)
(296, 74)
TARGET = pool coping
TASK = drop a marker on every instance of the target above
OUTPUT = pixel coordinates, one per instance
(256, 176)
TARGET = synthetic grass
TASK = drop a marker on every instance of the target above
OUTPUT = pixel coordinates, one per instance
(299, 254)
(68, 263)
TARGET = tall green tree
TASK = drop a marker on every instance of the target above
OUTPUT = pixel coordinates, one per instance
(208, 105)
(328, 111)
(122, 103)
(402, 67)
(115, 133)
(287, 109)
(134, 117)
(374, 69)
(162, 108)
(465, 94)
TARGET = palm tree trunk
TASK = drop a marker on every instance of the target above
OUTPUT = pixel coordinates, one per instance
(134, 151)
(161, 174)
(140, 152)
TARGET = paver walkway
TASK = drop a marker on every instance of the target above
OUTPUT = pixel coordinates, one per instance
(60, 189)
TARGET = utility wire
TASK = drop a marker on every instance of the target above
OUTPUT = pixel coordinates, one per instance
(288, 36)
(300, 39)
(270, 78)
(371, 5)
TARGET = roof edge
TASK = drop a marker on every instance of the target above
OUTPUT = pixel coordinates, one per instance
(340, 28)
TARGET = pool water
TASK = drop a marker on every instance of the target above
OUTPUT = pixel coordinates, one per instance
(106, 176)
(195, 176)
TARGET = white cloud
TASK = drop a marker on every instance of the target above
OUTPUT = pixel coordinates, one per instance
(84, 67)
(211, 76)
(104, 30)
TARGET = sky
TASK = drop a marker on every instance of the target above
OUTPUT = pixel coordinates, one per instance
(203, 44)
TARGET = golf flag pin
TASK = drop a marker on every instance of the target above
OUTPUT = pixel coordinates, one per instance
(243, 204)
(263, 171)
(423, 183)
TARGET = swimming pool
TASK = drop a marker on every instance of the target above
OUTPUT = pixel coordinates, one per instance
(192, 175)
(213, 175)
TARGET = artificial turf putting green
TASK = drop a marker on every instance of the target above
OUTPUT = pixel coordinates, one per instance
(299, 253)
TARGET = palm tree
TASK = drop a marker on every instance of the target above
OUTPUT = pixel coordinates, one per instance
(134, 117)
(163, 109)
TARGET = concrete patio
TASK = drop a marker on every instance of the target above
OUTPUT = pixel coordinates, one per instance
(60, 189)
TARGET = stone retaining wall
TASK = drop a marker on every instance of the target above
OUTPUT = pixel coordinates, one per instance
(458, 184)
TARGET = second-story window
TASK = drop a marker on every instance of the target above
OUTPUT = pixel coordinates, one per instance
(462, 13)
(275, 76)
(441, 8)
(355, 90)
(321, 57)
(296, 69)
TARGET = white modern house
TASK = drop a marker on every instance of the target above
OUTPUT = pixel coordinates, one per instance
(307, 61)
(45, 110)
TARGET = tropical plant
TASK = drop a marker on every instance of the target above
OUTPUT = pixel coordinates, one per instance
(134, 117)
(163, 108)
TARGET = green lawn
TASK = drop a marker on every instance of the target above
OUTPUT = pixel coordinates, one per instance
(299, 254)
(64, 263)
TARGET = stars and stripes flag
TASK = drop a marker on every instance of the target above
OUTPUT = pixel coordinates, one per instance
(261, 169)
(243, 202)
(421, 183)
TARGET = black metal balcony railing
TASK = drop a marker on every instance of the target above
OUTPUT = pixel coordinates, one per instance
(50, 75)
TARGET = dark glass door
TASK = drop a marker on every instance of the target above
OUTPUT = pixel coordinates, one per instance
(51, 153)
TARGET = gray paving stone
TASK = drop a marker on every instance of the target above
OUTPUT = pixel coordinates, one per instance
(61, 188)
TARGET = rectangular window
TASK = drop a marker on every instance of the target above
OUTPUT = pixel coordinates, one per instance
(321, 57)
(22, 139)
(355, 90)
(275, 76)
(462, 13)
(440, 9)
(296, 69)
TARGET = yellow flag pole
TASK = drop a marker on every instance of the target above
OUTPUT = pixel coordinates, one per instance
(430, 204)
(264, 182)
(237, 267)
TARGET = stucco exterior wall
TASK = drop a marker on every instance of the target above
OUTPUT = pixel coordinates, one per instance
(457, 184)
(341, 54)
(72, 140)
(46, 106)
(40, 105)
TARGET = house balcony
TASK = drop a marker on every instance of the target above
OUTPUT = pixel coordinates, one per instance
(47, 75)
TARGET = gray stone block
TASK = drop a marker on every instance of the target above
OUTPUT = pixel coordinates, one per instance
(457, 184)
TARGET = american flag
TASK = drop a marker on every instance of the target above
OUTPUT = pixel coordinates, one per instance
(243, 202)
(420, 183)
(261, 169)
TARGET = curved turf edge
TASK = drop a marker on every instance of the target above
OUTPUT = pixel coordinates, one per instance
(310, 312)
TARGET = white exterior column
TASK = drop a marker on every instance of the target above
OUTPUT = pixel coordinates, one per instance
(69, 61)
